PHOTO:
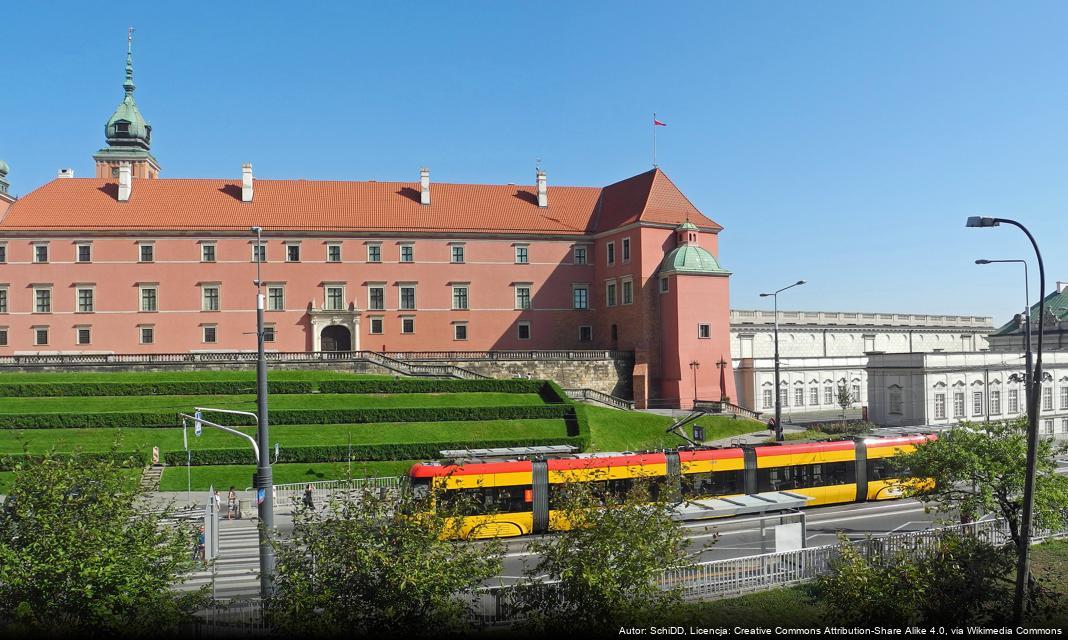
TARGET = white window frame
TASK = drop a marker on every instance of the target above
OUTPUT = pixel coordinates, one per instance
(36, 303)
(610, 253)
(799, 396)
(401, 246)
(585, 248)
(281, 287)
(47, 252)
(626, 291)
(204, 296)
(48, 335)
(529, 287)
(611, 293)
(155, 298)
(995, 402)
(290, 245)
(204, 333)
(404, 320)
(264, 247)
(453, 248)
(576, 288)
(814, 396)
(768, 398)
(1064, 397)
(624, 250)
(378, 246)
(958, 404)
(78, 251)
(3, 252)
(327, 287)
(1047, 398)
(466, 295)
(141, 246)
(940, 406)
(828, 394)
(340, 256)
(400, 297)
(78, 298)
(704, 328)
(519, 331)
(204, 246)
(1014, 401)
(455, 328)
(271, 331)
(525, 248)
(5, 299)
(78, 328)
(371, 287)
(371, 325)
(141, 333)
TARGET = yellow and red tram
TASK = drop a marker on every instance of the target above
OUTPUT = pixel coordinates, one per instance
(517, 497)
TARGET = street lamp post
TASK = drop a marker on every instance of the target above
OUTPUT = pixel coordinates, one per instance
(778, 395)
(264, 483)
(694, 366)
(1023, 559)
(1026, 327)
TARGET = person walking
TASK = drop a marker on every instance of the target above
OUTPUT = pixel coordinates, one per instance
(231, 503)
(216, 501)
(308, 501)
(198, 547)
(771, 426)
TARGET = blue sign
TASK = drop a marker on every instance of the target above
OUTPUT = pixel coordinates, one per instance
(197, 427)
(260, 495)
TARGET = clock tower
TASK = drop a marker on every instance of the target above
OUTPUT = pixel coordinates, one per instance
(128, 134)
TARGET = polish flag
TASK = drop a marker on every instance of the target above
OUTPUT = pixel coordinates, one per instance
(657, 123)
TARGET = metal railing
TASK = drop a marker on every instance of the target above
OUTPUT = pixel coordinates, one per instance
(718, 406)
(594, 395)
(325, 489)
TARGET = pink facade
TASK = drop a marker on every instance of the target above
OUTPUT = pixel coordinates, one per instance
(365, 266)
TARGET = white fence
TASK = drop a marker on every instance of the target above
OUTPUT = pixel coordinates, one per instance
(322, 490)
(492, 606)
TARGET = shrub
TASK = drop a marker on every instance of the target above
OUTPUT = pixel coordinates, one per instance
(8, 461)
(417, 385)
(176, 388)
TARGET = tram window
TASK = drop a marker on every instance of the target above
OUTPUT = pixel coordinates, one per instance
(420, 488)
(884, 469)
(805, 476)
(713, 483)
(511, 499)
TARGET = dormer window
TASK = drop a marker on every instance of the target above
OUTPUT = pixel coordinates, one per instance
(122, 127)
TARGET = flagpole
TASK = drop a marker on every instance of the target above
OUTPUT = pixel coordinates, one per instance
(654, 139)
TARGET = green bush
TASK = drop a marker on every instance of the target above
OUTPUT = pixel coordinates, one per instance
(341, 453)
(285, 416)
(418, 385)
(8, 461)
(177, 388)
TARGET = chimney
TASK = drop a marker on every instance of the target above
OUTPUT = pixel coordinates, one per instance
(65, 173)
(424, 185)
(125, 181)
(1061, 286)
(543, 192)
(246, 182)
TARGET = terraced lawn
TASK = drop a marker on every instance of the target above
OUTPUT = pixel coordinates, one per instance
(183, 376)
(105, 404)
(614, 430)
(63, 440)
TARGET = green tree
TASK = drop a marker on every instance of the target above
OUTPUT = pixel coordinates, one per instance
(80, 554)
(962, 580)
(844, 397)
(379, 563)
(980, 467)
(604, 569)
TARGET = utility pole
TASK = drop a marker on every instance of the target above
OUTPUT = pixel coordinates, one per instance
(263, 480)
(778, 392)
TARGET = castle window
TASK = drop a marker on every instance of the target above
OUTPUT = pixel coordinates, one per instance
(122, 127)
(704, 331)
(524, 331)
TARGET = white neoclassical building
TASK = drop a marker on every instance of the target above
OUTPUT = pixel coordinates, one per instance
(909, 389)
(820, 350)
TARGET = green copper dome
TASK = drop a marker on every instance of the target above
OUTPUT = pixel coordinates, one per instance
(4, 169)
(691, 259)
(127, 127)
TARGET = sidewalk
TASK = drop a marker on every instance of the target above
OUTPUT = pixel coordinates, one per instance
(757, 437)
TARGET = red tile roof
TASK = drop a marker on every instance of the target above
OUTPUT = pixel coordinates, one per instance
(167, 204)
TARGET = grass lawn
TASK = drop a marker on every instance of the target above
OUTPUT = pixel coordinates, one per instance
(7, 478)
(240, 476)
(107, 404)
(615, 430)
(182, 376)
(170, 439)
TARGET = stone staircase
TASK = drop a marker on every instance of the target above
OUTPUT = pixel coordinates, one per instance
(426, 370)
(151, 476)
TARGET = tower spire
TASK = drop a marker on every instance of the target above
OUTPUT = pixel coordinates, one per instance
(128, 85)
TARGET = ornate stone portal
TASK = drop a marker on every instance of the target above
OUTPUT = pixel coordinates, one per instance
(325, 325)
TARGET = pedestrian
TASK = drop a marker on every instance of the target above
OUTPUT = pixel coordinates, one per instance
(198, 547)
(216, 501)
(231, 503)
(308, 502)
(771, 426)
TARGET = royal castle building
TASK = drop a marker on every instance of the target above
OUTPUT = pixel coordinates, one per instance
(132, 261)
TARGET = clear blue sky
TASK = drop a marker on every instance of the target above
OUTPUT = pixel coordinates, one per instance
(840, 142)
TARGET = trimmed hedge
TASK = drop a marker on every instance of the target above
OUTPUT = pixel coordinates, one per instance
(177, 388)
(340, 453)
(285, 416)
(8, 461)
(419, 385)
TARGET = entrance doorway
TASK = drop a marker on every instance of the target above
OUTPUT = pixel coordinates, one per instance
(336, 338)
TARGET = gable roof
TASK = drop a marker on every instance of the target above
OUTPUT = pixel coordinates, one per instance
(169, 204)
